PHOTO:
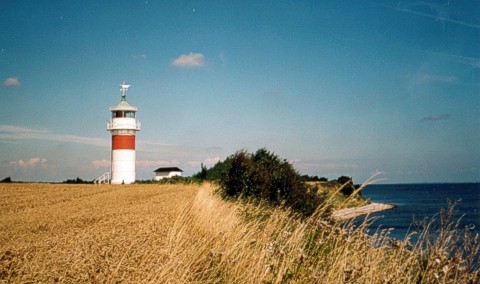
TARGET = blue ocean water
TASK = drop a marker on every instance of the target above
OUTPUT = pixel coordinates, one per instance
(417, 201)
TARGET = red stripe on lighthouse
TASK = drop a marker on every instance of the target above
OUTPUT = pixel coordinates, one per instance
(123, 142)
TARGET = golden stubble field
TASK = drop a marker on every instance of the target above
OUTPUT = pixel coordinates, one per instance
(187, 234)
(86, 233)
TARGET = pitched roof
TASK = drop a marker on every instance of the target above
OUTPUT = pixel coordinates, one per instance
(168, 169)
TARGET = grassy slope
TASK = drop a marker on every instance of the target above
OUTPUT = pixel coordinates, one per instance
(185, 234)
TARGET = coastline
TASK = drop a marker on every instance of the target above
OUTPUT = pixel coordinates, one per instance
(349, 213)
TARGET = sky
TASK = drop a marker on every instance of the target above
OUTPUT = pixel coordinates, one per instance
(335, 87)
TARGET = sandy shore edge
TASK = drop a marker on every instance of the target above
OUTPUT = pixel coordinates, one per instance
(349, 213)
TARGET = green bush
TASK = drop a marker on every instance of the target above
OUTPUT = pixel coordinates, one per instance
(347, 186)
(215, 173)
(266, 176)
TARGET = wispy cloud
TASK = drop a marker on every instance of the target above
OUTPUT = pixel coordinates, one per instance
(436, 117)
(191, 60)
(426, 79)
(470, 61)
(214, 149)
(155, 163)
(440, 14)
(139, 56)
(100, 164)
(151, 146)
(152, 143)
(14, 132)
(12, 82)
(32, 163)
(20, 129)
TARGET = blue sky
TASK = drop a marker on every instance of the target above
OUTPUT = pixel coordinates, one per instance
(335, 87)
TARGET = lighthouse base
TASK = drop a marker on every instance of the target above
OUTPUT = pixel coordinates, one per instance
(122, 181)
(123, 167)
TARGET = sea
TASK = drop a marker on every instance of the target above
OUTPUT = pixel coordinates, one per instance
(416, 202)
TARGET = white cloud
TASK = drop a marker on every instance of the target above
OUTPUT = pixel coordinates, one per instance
(11, 82)
(33, 162)
(22, 133)
(192, 60)
(100, 164)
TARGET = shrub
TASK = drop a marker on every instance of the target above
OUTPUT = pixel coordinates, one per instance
(7, 179)
(202, 174)
(265, 176)
(215, 173)
(347, 186)
(239, 175)
(76, 181)
(314, 178)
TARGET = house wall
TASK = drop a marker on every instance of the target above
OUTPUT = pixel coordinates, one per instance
(162, 175)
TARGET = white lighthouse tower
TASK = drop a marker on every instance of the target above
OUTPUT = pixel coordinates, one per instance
(123, 127)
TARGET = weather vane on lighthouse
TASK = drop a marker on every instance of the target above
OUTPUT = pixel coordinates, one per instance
(124, 89)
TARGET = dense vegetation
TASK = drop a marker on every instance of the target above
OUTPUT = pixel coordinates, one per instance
(266, 176)
(263, 175)
(171, 180)
(77, 181)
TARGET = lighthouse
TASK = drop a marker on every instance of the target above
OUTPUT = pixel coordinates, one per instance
(123, 125)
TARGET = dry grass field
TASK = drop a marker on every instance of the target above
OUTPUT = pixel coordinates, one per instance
(186, 234)
(86, 233)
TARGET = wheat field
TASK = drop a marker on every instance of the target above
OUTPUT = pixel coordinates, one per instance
(187, 234)
(86, 233)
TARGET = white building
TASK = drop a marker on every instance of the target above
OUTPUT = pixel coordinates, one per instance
(123, 127)
(167, 172)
